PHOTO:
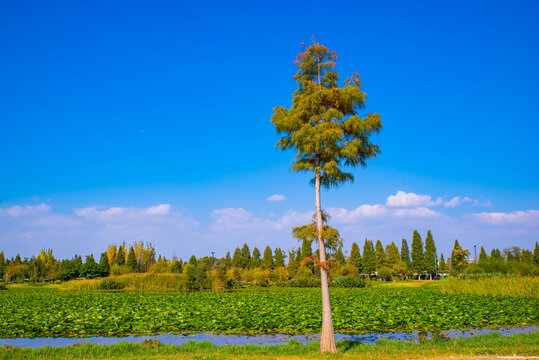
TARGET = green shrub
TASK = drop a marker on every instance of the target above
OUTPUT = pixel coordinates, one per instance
(108, 284)
(349, 282)
(384, 273)
(58, 282)
(3, 287)
(304, 283)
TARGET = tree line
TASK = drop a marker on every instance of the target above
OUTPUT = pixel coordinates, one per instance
(296, 266)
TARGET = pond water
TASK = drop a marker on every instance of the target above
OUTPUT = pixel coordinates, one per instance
(269, 339)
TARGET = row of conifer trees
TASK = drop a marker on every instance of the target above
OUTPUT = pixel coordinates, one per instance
(375, 260)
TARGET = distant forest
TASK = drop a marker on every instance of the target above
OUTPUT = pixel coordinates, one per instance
(275, 266)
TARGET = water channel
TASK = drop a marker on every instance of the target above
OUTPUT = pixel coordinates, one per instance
(268, 339)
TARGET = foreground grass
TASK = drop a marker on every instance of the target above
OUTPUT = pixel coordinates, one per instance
(491, 344)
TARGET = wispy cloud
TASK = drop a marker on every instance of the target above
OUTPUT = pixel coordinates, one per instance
(527, 218)
(276, 197)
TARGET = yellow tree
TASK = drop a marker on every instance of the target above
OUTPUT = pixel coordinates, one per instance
(325, 130)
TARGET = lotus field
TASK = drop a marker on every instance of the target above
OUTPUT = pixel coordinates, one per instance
(51, 312)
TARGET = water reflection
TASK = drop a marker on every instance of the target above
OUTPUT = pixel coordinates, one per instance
(275, 339)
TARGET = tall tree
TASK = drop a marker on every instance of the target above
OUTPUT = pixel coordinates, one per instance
(483, 258)
(132, 260)
(255, 261)
(267, 260)
(536, 254)
(417, 254)
(111, 254)
(459, 259)
(442, 267)
(339, 256)
(355, 257)
(429, 257)
(90, 269)
(393, 256)
(306, 248)
(120, 256)
(405, 253)
(2, 264)
(228, 260)
(236, 258)
(369, 258)
(381, 257)
(245, 257)
(325, 130)
(104, 267)
(279, 258)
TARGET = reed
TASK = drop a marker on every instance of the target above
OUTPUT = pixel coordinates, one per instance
(518, 286)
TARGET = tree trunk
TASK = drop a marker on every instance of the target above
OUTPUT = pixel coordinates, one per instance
(327, 338)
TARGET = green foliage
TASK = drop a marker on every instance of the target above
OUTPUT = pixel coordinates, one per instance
(309, 233)
(381, 257)
(267, 261)
(339, 256)
(516, 286)
(177, 267)
(120, 256)
(483, 257)
(109, 284)
(429, 257)
(236, 258)
(495, 254)
(3, 286)
(256, 260)
(323, 125)
(348, 282)
(384, 273)
(405, 253)
(279, 258)
(132, 260)
(458, 258)
(90, 269)
(355, 257)
(369, 258)
(104, 268)
(536, 254)
(417, 254)
(2, 264)
(87, 313)
(442, 267)
(245, 255)
(119, 270)
(304, 283)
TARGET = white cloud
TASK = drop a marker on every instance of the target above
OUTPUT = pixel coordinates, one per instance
(528, 217)
(457, 201)
(18, 211)
(341, 215)
(419, 212)
(404, 199)
(276, 197)
(478, 202)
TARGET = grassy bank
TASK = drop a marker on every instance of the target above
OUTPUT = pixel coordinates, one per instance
(492, 344)
(517, 286)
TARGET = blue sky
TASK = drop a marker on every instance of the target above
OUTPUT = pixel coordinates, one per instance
(129, 120)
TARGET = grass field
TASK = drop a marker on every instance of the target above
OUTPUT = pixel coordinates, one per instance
(479, 345)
